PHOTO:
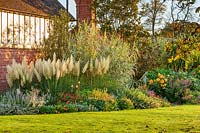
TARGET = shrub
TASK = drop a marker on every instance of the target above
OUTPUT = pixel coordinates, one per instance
(50, 109)
(125, 103)
(59, 35)
(152, 55)
(65, 108)
(102, 100)
(177, 87)
(143, 101)
(184, 53)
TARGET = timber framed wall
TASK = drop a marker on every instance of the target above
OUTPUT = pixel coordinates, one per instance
(20, 32)
(22, 29)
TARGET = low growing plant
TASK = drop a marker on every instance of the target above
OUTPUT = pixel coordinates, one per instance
(16, 102)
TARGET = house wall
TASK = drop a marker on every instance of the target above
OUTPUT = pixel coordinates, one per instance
(23, 30)
(6, 57)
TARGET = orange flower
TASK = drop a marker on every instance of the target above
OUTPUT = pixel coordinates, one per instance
(150, 82)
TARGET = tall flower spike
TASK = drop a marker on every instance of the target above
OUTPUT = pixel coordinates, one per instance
(85, 67)
(91, 66)
(71, 64)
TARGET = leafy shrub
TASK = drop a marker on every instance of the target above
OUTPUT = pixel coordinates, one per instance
(159, 84)
(125, 103)
(59, 34)
(177, 87)
(196, 72)
(184, 53)
(65, 108)
(143, 101)
(87, 44)
(152, 55)
(102, 100)
(50, 109)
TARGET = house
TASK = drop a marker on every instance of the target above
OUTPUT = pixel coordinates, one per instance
(23, 24)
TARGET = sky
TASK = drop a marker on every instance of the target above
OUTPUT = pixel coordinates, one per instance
(72, 6)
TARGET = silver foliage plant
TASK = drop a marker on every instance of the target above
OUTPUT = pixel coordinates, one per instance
(15, 102)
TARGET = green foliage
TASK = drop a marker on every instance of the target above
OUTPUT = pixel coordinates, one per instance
(152, 55)
(125, 103)
(102, 100)
(177, 87)
(58, 37)
(118, 16)
(88, 43)
(68, 108)
(47, 109)
(142, 101)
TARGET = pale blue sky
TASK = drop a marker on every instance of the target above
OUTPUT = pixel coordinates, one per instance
(72, 6)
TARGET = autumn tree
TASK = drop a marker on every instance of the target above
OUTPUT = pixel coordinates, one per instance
(186, 28)
(181, 11)
(152, 12)
(119, 16)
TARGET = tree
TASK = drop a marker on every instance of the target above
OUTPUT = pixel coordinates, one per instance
(57, 41)
(186, 28)
(119, 16)
(153, 12)
(180, 11)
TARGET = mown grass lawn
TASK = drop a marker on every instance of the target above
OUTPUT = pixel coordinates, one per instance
(172, 119)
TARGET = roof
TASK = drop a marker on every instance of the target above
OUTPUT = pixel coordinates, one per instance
(35, 7)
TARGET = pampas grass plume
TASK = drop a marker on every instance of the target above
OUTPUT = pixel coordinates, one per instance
(85, 67)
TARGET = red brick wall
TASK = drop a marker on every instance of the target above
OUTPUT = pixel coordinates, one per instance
(84, 10)
(6, 56)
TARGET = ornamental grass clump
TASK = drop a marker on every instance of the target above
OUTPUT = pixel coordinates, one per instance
(53, 76)
(20, 75)
(98, 67)
(56, 68)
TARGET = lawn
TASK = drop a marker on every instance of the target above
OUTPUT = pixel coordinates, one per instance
(172, 119)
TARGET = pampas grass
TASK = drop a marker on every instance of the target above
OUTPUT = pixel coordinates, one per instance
(54, 69)
(98, 67)
(23, 73)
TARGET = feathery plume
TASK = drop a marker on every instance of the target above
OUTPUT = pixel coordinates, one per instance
(85, 67)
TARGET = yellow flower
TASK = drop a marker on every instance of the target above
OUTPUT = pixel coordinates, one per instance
(157, 79)
(162, 81)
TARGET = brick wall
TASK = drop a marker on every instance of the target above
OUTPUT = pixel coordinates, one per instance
(6, 56)
(84, 11)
